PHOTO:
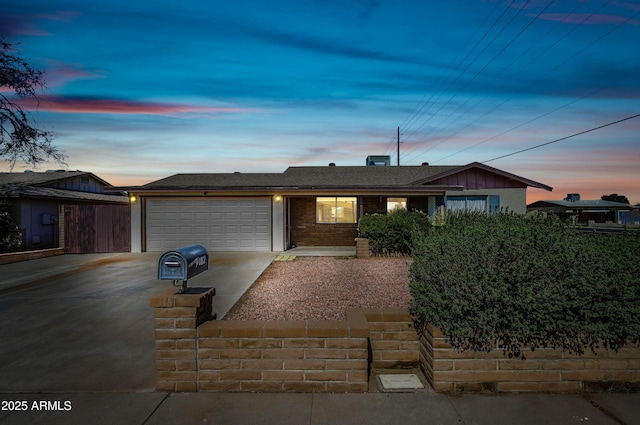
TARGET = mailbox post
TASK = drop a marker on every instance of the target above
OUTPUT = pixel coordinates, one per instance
(183, 264)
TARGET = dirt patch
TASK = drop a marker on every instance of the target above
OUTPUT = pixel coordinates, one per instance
(321, 288)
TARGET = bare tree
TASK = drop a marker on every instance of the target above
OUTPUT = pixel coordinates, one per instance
(19, 139)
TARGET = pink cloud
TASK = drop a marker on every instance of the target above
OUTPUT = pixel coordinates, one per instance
(631, 6)
(126, 107)
(586, 19)
(61, 73)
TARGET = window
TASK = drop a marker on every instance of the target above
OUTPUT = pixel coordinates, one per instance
(467, 203)
(336, 209)
(396, 203)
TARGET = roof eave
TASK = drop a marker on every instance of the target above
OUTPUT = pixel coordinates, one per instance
(141, 190)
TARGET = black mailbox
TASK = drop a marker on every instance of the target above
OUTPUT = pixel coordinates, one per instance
(183, 264)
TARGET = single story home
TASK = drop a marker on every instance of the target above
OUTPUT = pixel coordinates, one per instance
(36, 199)
(584, 211)
(306, 206)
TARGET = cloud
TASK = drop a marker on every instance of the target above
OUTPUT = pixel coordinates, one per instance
(323, 45)
(60, 74)
(85, 105)
(631, 6)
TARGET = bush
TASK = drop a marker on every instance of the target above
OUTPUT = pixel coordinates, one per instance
(10, 236)
(392, 233)
(508, 281)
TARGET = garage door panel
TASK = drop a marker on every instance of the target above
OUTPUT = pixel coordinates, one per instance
(218, 224)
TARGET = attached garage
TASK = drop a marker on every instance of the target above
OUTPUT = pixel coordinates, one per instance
(230, 224)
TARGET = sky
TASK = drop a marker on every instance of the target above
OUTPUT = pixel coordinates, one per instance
(138, 91)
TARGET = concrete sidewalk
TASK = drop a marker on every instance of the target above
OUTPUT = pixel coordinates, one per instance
(424, 408)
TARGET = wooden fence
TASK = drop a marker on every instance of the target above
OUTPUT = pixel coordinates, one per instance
(92, 229)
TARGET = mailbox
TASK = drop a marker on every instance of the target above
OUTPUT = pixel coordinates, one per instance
(183, 264)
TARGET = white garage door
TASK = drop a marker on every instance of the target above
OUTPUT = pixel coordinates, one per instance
(217, 224)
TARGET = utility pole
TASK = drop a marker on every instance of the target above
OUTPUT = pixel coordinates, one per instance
(398, 146)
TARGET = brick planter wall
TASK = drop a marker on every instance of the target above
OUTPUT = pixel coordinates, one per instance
(543, 370)
(272, 356)
(196, 354)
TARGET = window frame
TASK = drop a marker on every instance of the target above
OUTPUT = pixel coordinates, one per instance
(492, 202)
(397, 200)
(335, 212)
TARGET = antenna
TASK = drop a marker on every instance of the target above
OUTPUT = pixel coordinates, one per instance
(398, 146)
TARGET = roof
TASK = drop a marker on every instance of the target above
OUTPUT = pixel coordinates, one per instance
(582, 204)
(35, 185)
(326, 177)
(32, 178)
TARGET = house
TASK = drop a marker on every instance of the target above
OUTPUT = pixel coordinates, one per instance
(306, 206)
(580, 211)
(37, 200)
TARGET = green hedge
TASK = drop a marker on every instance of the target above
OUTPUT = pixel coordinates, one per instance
(392, 234)
(506, 281)
(10, 235)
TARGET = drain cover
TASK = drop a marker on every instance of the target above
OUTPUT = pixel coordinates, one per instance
(400, 382)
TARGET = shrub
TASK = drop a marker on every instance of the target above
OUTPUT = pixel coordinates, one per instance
(392, 233)
(10, 236)
(508, 281)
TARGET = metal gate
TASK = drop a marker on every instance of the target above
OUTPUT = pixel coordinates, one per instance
(92, 229)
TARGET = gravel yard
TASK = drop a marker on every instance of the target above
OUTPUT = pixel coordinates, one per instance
(321, 288)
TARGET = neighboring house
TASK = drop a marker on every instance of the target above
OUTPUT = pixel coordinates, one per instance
(37, 199)
(306, 206)
(578, 211)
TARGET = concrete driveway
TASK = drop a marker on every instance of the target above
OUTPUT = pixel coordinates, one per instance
(83, 322)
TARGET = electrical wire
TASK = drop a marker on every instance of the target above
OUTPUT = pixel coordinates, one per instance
(504, 48)
(563, 138)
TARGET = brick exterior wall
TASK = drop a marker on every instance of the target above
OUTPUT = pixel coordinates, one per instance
(543, 370)
(306, 232)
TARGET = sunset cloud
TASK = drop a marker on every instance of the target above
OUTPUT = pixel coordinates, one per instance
(61, 104)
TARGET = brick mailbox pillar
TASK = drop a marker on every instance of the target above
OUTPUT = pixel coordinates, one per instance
(176, 317)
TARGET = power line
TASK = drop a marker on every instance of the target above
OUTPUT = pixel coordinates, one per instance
(451, 98)
(552, 70)
(441, 92)
(533, 60)
(505, 47)
(564, 138)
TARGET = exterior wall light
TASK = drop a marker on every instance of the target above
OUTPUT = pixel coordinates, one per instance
(133, 199)
(278, 198)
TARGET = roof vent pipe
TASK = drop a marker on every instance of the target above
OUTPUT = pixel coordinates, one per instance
(332, 164)
(424, 164)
